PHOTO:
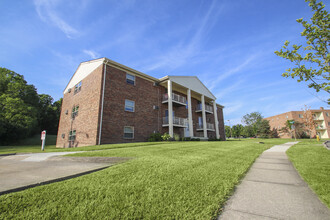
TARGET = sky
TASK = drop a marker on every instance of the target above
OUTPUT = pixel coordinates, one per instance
(229, 45)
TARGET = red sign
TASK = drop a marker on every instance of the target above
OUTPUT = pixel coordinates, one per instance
(43, 135)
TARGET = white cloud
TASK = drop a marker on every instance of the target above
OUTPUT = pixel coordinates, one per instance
(92, 54)
(47, 13)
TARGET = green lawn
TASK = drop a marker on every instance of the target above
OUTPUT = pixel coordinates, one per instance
(33, 145)
(312, 161)
(176, 180)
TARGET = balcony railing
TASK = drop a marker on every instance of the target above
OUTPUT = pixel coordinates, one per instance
(175, 98)
(181, 122)
(320, 127)
(208, 108)
(209, 126)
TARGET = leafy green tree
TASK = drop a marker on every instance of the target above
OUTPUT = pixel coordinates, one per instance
(227, 131)
(311, 61)
(253, 119)
(237, 130)
(22, 111)
(248, 131)
(263, 129)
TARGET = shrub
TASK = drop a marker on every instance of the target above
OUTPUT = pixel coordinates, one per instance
(166, 137)
(155, 137)
(176, 137)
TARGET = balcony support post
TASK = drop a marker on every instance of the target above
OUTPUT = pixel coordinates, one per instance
(216, 122)
(190, 123)
(170, 108)
(204, 117)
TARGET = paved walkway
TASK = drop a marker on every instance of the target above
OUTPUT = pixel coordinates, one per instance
(273, 189)
(18, 172)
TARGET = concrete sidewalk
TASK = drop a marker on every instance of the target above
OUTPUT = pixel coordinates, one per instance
(273, 189)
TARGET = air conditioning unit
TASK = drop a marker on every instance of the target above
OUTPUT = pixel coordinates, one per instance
(66, 112)
(155, 107)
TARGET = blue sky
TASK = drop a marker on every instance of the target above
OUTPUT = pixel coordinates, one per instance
(228, 44)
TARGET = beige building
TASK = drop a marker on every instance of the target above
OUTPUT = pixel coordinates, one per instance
(321, 117)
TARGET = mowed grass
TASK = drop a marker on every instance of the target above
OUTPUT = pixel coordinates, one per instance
(33, 145)
(181, 180)
(312, 161)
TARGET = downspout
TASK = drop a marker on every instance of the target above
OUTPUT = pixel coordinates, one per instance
(102, 103)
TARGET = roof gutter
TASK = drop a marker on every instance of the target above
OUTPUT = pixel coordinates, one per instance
(102, 102)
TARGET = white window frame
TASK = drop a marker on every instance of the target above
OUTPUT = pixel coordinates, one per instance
(72, 135)
(131, 127)
(300, 116)
(129, 106)
(127, 78)
(77, 88)
(75, 110)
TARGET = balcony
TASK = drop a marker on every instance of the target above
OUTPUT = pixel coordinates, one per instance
(209, 127)
(318, 117)
(177, 122)
(208, 108)
(320, 127)
(176, 99)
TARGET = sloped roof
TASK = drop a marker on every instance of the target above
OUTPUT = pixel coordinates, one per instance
(83, 70)
(191, 82)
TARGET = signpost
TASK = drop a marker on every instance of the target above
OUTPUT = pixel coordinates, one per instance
(43, 139)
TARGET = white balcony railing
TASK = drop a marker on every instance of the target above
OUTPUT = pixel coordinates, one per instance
(176, 98)
(176, 121)
(208, 108)
(209, 126)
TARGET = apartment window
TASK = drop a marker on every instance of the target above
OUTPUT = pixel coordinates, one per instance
(327, 114)
(301, 116)
(130, 79)
(329, 123)
(75, 109)
(128, 132)
(129, 105)
(72, 135)
(77, 88)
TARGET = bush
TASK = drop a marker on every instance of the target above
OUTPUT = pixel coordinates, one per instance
(195, 139)
(166, 137)
(155, 137)
(176, 137)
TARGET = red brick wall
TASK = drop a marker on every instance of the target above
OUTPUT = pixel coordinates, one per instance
(221, 124)
(145, 119)
(86, 123)
(278, 121)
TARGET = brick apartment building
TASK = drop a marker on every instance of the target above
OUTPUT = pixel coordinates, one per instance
(107, 102)
(321, 117)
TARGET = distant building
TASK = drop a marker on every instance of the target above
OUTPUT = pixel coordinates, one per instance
(107, 102)
(321, 118)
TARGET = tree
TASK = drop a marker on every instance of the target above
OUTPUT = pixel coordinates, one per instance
(311, 61)
(263, 128)
(237, 130)
(227, 131)
(248, 131)
(22, 111)
(294, 129)
(253, 119)
(309, 120)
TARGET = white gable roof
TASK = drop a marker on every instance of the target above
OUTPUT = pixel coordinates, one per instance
(84, 69)
(191, 82)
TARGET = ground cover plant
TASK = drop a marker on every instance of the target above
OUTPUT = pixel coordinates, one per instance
(312, 161)
(175, 180)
